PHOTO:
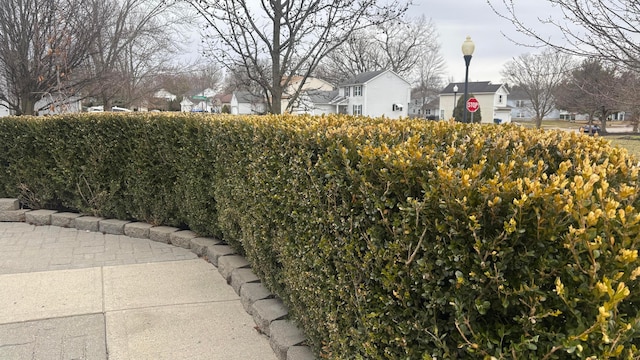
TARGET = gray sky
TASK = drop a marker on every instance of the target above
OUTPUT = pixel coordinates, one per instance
(455, 19)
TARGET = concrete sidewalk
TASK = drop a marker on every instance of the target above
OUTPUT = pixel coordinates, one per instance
(76, 294)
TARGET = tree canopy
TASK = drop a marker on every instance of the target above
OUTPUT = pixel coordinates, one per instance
(607, 30)
(538, 75)
(273, 41)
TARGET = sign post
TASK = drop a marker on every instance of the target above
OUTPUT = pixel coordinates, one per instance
(472, 106)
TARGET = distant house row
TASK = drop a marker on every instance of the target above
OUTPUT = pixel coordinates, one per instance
(375, 94)
(379, 93)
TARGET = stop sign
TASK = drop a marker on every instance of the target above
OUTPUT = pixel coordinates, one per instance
(473, 105)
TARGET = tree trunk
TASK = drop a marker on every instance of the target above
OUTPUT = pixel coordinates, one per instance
(106, 102)
(27, 105)
(538, 122)
(603, 123)
(276, 75)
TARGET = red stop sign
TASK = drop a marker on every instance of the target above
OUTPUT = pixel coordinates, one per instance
(473, 105)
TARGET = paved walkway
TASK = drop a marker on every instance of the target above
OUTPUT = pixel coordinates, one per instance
(72, 294)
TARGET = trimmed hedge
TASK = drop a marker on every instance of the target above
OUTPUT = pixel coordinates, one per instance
(387, 239)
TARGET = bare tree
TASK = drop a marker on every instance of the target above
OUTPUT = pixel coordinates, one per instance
(42, 45)
(629, 97)
(405, 46)
(607, 30)
(137, 41)
(538, 75)
(593, 88)
(429, 71)
(272, 41)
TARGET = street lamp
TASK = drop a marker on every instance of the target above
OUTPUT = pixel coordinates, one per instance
(467, 50)
(455, 92)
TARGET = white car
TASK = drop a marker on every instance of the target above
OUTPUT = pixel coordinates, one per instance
(113, 108)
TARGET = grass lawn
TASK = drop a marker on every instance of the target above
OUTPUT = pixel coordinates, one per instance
(629, 142)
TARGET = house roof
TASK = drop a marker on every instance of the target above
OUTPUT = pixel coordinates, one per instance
(474, 87)
(247, 97)
(322, 97)
(363, 78)
(223, 98)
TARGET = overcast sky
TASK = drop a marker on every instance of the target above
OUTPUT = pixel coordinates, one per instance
(455, 19)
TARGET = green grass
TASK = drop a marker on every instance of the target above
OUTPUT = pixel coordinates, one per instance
(629, 142)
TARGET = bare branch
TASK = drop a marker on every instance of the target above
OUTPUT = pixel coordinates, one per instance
(274, 40)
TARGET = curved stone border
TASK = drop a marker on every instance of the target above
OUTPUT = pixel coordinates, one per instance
(268, 312)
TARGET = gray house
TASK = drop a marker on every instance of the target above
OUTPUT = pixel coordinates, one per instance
(521, 108)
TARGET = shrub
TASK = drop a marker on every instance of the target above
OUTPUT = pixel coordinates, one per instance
(387, 239)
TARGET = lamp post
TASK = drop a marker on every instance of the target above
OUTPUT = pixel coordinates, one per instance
(467, 50)
(455, 92)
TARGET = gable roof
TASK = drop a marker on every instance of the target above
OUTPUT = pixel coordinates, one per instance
(322, 97)
(477, 87)
(247, 97)
(363, 78)
(223, 98)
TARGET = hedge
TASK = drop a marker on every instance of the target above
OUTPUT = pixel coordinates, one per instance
(386, 239)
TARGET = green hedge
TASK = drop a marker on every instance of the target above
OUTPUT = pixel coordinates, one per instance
(387, 239)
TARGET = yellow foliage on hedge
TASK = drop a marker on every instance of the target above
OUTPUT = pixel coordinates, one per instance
(386, 238)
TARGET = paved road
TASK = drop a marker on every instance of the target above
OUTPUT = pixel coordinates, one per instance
(71, 294)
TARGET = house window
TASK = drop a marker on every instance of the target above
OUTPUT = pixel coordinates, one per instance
(357, 90)
(357, 109)
(519, 103)
(347, 91)
(499, 99)
(520, 114)
(427, 112)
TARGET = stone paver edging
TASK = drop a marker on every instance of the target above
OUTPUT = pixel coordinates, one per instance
(268, 312)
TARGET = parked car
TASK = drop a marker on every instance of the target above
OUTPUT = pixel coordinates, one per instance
(120, 109)
(590, 129)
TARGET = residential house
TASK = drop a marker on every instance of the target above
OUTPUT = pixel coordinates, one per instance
(4, 109)
(492, 99)
(244, 102)
(375, 94)
(422, 108)
(219, 101)
(58, 104)
(521, 106)
(199, 102)
(164, 94)
(186, 105)
(301, 103)
(319, 102)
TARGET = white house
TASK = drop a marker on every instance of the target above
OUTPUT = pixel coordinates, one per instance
(164, 94)
(492, 99)
(186, 105)
(58, 104)
(244, 102)
(303, 104)
(200, 102)
(319, 102)
(375, 94)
